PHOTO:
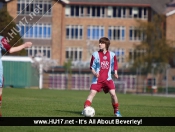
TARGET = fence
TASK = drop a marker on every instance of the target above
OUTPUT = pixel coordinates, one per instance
(130, 83)
(125, 83)
(74, 81)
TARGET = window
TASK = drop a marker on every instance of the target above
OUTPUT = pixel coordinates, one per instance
(39, 51)
(67, 10)
(120, 53)
(116, 33)
(83, 11)
(95, 32)
(74, 32)
(28, 6)
(151, 82)
(173, 78)
(74, 11)
(75, 54)
(140, 12)
(1, 5)
(77, 8)
(134, 53)
(135, 12)
(35, 31)
(145, 13)
(106, 11)
(119, 12)
(95, 11)
(135, 34)
(110, 11)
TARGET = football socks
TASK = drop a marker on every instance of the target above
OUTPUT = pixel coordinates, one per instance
(115, 106)
(87, 103)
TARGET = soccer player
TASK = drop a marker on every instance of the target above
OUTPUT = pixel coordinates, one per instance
(101, 65)
(7, 48)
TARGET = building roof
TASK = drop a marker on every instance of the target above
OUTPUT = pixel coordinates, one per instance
(157, 5)
(170, 10)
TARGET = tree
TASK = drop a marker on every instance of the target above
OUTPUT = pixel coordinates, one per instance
(7, 25)
(68, 68)
(157, 49)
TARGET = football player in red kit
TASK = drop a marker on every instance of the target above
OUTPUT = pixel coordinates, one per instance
(7, 48)
(103, 62)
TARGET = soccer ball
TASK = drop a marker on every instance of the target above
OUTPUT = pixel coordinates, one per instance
(89, 111)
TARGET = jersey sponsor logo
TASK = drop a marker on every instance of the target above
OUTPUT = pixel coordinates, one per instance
(104, 57)
(105, 64)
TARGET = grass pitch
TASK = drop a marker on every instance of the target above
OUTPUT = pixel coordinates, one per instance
(69, 103)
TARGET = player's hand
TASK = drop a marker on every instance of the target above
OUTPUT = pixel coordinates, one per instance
(116, 75)
(27, 44)
(96, 75)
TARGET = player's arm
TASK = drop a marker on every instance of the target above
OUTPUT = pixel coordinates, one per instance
(116, 74)
(94, 73)
(93, 66)
(115, 67)
(18, 48)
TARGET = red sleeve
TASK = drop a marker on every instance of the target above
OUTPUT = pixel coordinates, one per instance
(92, 59)
(115, 63)
(5, 44)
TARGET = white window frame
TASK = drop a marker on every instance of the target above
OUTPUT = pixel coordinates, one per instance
(26, 2)
(39, 48)
(120, 28)
(74, 49)
(70, 27)
(91, 27)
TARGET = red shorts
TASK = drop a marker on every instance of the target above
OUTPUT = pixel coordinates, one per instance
(105, 86)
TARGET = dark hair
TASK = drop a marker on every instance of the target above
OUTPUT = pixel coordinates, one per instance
(106, 41)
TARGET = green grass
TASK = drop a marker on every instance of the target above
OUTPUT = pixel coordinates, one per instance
(67, 103)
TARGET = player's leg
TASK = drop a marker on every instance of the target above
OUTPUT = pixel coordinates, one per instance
(115, 103)
(114, 99)
(0, 97)
(90, 98)
(93, 90)
(1, 85)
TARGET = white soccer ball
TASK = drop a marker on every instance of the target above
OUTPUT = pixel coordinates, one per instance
(89, 111)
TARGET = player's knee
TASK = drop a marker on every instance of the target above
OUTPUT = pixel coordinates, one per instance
(113, 96)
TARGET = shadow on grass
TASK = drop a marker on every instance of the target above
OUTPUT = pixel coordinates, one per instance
(68, 111)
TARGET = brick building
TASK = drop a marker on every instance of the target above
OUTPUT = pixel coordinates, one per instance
(66, 29)
(170, 19)
(170, 35)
